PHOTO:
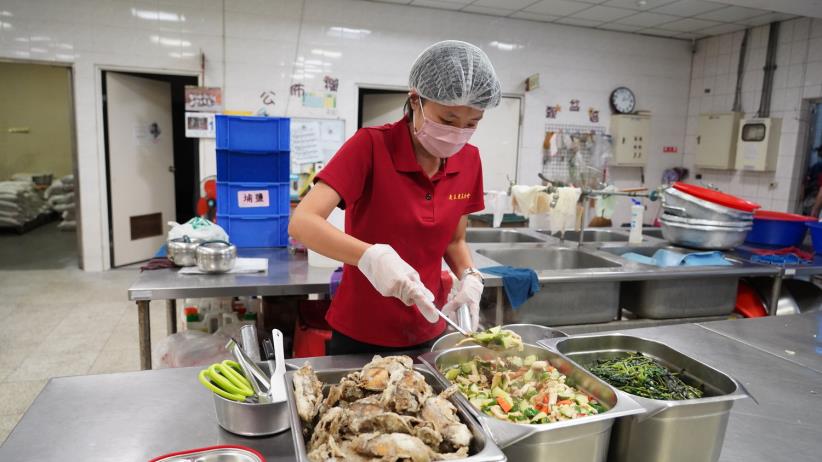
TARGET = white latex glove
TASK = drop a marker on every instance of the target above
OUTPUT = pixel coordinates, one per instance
(469, 293)
(393, 277)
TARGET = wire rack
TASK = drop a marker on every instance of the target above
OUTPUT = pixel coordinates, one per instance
(556, 167)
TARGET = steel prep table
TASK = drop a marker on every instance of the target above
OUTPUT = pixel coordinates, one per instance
(288, 274)
(140, 415)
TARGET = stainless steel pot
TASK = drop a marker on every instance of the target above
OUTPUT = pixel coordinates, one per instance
(482, 449)
(673, 431)
(578, 440)
(252, 419)
(530, 333)
(703, 237)
(685, 205)
(182, 251)
(216, 256)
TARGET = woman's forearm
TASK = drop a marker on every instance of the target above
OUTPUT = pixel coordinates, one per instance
(317, 234)
(458, 257)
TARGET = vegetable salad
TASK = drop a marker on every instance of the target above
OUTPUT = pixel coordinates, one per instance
(521, 390)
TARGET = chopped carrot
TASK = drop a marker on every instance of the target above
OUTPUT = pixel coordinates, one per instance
(564, 401)
(504, 405)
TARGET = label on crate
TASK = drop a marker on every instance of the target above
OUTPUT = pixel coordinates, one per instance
(249, 199)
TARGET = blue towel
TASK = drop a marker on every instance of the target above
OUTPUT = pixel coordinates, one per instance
(520, 284)
(779, 260)
(162, 252)
(665, 258)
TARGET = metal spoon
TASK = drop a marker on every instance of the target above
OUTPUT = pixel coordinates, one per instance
(453, 324)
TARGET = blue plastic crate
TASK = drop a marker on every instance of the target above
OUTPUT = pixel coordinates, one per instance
(253, 198)
(255, 230)
(259, 167)
(254, 134)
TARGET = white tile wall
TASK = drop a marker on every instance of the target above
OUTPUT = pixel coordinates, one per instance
(252, 45)
(798, 76)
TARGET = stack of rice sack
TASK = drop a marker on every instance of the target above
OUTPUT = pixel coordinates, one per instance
(60, 196)
(19, 203)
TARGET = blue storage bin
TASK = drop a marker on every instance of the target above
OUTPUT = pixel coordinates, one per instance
(253, 198)
(255, 230)
(777, 229)
(255, 134)
(815, 228)
(259, 167)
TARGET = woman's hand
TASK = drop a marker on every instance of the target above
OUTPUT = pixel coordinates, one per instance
(469, 293)
(393, 277)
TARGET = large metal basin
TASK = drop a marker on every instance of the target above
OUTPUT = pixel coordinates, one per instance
(579, 440)
(561, 303)
(671, 431)
(547, 258)
(656, 233)
(592, 235)
(482, 448)
(677, 297)
(491, 236)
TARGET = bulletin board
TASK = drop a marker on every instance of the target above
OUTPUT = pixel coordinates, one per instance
(314, 140)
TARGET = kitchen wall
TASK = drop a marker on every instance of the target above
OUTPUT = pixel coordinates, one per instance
(256, 49)
(798, 76)
(36, 99)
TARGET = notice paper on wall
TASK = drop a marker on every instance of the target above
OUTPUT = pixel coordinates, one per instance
(315, 140)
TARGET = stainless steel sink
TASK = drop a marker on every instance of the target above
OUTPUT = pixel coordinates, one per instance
(592, 235)
(490, 236)
(681, 296)
(653, 232)
(551, 258)
(561, 303)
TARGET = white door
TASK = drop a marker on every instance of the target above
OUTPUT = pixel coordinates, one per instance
(141, 165)
(497, 138)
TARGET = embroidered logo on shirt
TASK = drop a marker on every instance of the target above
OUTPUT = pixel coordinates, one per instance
(459, 196)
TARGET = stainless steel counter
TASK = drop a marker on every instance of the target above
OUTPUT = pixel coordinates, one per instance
(140, 415)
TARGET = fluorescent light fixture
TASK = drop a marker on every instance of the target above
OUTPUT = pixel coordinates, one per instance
(151, 15)
(24, 54)
(39, 38)
(169, 42)
(185, 54)
(22, 39)
(6, 13)
(313, 62)
(63, 46)
(326, 53)
(347, 32)
(38, 50)
(505, 46)
(65, 57)
(5, 25)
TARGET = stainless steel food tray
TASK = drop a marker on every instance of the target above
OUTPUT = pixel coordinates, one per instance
(482, 447)
(671, 431)
(214, 454)
(578, 440)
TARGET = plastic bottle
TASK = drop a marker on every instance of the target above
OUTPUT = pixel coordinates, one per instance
(637, 209)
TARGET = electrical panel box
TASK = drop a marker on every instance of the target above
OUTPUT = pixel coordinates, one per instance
(757, 145)
(631, 135)
(716, 140)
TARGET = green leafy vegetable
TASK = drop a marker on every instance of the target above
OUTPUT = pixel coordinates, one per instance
(495, 338)
(642, 376)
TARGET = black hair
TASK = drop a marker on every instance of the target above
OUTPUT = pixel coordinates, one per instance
(406, 108)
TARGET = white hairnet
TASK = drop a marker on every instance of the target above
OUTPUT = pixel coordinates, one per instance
(455, 73)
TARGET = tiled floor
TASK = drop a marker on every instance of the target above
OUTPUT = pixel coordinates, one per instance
(58, 320)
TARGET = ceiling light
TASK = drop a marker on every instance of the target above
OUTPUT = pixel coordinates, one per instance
(5, 25)
(151, 15)
(313, 62)
(348, 32)
(38, 50)
(506, 46)
(326, 53)
(641, 3)
(6, 14)
(169, 42)
(39, 38)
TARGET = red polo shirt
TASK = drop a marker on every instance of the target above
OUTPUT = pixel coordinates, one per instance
(388, 199)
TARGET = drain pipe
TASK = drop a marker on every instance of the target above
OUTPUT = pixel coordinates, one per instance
(740, 73)
(770, 67)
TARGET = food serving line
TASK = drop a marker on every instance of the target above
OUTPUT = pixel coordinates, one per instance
(141, 415)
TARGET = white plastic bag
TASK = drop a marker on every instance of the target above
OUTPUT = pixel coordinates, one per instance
(197, 228)
(190, 348)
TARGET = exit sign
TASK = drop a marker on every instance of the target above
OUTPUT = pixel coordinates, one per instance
(670, 149)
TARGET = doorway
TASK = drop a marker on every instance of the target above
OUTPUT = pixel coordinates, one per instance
(810, 200)
(38, 213)
(152, 169)
(497, 135)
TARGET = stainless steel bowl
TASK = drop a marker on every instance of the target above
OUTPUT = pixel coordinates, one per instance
(216, 256)
(252, 419)
(676, 202)
(698, 222)
(703, 237)
(530, 333)
(182, 251)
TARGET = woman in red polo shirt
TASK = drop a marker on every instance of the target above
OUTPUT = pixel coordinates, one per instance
(407, 189)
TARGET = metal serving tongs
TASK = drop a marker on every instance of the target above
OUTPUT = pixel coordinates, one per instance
(464, 318)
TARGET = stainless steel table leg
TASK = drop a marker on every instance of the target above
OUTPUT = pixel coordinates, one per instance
(171, 316)
(775, 293)
(500, 308)
(144, 326)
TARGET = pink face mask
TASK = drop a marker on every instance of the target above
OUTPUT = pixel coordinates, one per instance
(442, 140)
